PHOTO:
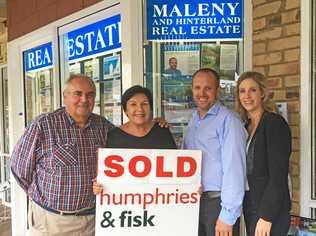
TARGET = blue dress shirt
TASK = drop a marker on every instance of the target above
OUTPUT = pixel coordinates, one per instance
(221, 137)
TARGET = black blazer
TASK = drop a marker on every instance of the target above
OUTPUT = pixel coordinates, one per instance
(268, 166)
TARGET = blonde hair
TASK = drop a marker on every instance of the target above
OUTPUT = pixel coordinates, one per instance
(262, 83)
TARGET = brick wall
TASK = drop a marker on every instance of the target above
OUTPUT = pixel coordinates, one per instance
(276, 53)
(25, 16)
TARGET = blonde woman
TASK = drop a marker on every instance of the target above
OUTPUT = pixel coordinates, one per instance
(267, 202)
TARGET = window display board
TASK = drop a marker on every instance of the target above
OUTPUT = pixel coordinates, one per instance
(94, 50)
(183, 36)
(38, 84)
(176, 89)
(224, 59)
(178, 64)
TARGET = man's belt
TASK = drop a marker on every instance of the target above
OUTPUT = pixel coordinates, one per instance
(212, 194)
(81, 212)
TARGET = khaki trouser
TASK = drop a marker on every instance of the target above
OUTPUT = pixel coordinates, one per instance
(45, 223)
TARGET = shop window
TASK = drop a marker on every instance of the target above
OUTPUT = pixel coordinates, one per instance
(171, 57)
(38, 81)
(94, 49)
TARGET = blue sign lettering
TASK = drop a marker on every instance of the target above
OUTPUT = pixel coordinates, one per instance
(38, 57)
(99, 37)
(192, 19)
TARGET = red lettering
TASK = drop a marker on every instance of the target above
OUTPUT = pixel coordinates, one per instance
(194, 197)
(160, 168)
(110, 163)
(132, 166)
(184, 198)
(180, 167)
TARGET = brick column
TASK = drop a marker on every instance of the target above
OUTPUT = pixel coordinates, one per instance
(276, 54)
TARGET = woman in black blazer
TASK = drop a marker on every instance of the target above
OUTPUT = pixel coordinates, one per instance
(267, 201)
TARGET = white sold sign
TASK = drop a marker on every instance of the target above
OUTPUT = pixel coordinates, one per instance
(148, 192)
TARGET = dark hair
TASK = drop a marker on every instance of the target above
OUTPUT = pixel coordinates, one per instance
(137, 89)
(207, 71)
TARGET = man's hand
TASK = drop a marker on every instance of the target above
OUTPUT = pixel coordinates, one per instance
(161, 122)
(96, 187)
(223, 229)
(263, 228)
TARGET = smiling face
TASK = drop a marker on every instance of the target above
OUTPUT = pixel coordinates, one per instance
(205, 90)
(138, 109)
(250, 95)
(173, 63)
(79, 96)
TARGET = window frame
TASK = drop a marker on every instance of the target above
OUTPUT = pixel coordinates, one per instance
(306, 149)
(4, 156)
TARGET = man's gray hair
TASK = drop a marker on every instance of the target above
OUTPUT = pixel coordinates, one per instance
(79, 76)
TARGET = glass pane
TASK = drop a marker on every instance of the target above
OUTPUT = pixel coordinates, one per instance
(168, 73)
(98, 57)
(6, 140)
(74, 68)
(111, 88)
(39, 93)
(91, 69)
(106, 74)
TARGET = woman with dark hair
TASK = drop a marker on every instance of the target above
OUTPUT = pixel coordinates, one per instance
(267, 202)
(140, 131)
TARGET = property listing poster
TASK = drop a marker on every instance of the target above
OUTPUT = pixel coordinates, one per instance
(176, 95)
(112, 88)
(224, 59)
(187, 55)
(148, 192)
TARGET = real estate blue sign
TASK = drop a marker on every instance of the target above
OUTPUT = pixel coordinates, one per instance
(38, 57)
(192, 19)
(99, 37)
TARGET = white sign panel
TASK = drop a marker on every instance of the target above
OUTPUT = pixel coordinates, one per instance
(148, 192)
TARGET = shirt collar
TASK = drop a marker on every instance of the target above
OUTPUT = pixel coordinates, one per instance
(73, 122)
(212, 111)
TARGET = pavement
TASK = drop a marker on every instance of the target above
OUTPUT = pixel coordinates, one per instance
(5, 228)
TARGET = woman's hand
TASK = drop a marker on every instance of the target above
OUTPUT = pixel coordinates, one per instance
(263, 228)
(96, 187)
(161, 122)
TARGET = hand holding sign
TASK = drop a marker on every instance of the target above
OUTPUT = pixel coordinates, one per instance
(149, 192)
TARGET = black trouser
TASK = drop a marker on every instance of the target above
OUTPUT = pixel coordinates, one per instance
(209, 212)
(280, 226)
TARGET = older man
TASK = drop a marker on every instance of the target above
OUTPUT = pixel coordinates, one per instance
(55, 161)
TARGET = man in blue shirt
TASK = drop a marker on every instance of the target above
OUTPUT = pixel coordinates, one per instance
(219, 133)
